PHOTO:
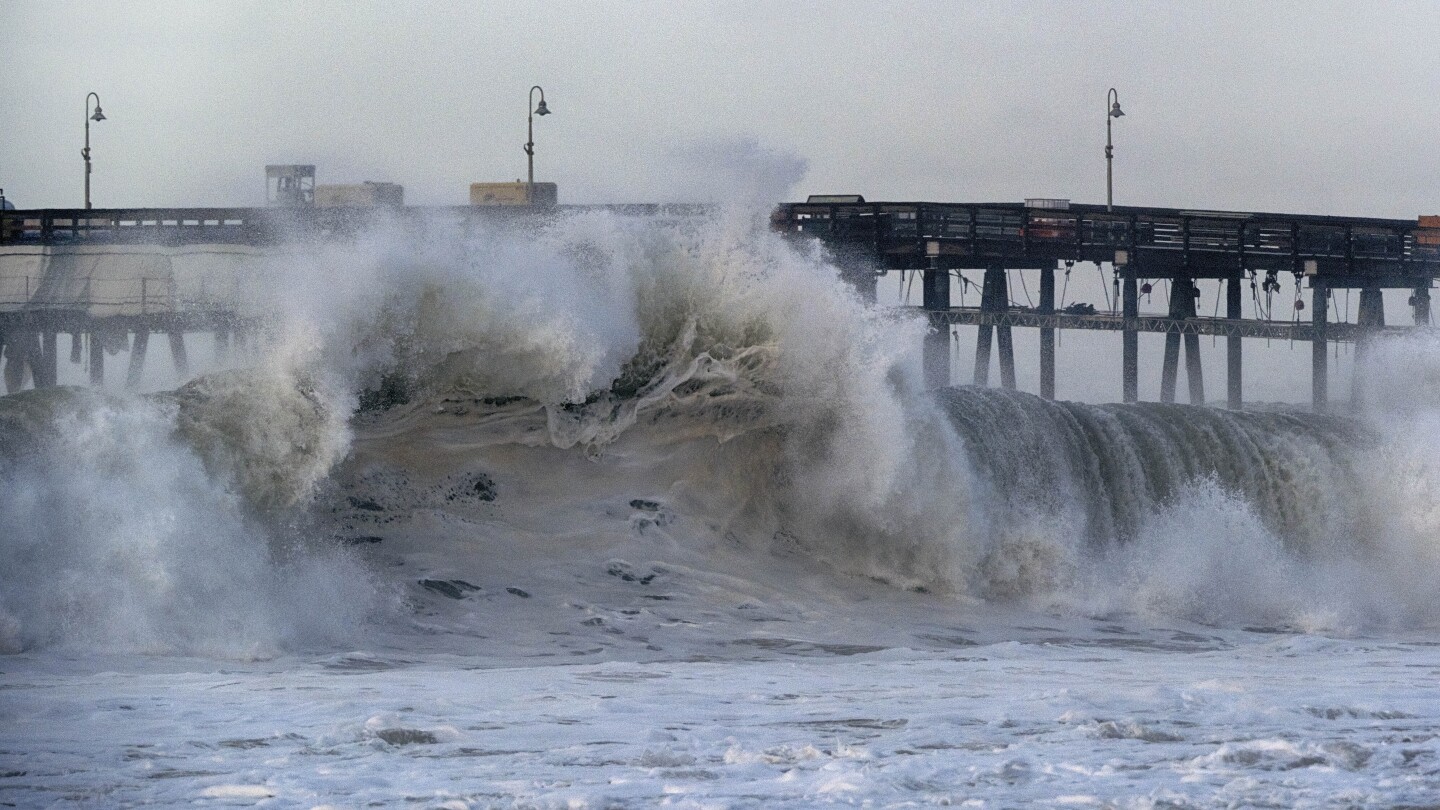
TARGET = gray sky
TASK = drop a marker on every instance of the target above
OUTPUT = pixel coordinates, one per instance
(1292, 107)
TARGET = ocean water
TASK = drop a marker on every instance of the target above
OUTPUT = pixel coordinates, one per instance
(609, 511)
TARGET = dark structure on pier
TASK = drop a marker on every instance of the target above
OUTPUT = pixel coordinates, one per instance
(869, 239)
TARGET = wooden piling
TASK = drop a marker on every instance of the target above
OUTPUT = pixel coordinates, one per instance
(1233, 361)
(14, 364)
(1129, 337)
(1169, 367)
(1182, 307)
(177, 354)
(137, 358)
(994, 301)
(1195, 377)
(935, 299)
(97, 359)
(1047, 334)
(47, 372)
(1319, 362)
(1371, 319)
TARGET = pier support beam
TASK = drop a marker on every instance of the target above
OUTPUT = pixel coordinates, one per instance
(983, 336)
(1234, 394)
(137, 358)
(1129, 338)
(1182, 306)
(14, 363)
(21, 354)
(222, 345)
(1195, 375)
(994, 300)
(97, 359)
(1047, 334)
(177, 354)
(1370, 319)
(935, 354)
(1319, 362)
(1170, 366)
(46, 366)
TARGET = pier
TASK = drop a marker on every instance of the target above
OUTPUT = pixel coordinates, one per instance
(112, 278)
(1240, 249)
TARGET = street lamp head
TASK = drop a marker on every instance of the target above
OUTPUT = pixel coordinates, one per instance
(1115, 111)
(98, 116)
(541, 109)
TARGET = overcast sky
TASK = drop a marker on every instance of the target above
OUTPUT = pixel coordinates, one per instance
(1291, 107)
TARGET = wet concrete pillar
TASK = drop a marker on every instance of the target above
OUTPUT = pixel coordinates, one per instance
(983, 336)
(1182, 307)
(1233, 360)
(14, 365)
(177, 354)
(1170, 365)
(1319, 363)
(1370, 319)
(994, 302)
(1195, 376)
(1000, 304)
(1169, 368)
(1129, 336)
(5, 351)
(935, 357)
(137, 358)
(21, 355)
(46, 366)
(1047, 334)
(97, 359)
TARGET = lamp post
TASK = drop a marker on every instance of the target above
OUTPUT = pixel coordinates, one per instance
(85, 153)
(1112, 111)
(535, 110)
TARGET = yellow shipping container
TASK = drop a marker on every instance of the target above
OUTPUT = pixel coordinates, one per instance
(516, 193)
(364, 195)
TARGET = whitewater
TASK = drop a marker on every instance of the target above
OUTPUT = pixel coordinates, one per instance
(603, 510)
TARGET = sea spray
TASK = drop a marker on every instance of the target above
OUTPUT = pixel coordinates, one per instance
(271, 436)
(740, 392)
(117, 537)
(709, 326)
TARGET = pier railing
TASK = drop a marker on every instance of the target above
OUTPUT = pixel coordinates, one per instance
(1162, 241)
(265, 226)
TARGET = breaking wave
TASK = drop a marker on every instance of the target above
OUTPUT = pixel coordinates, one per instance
(711, 359)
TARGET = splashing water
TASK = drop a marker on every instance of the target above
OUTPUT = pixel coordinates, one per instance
(787, 417)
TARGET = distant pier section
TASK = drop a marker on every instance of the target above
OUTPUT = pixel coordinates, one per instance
(1247, 252)
(111, 279)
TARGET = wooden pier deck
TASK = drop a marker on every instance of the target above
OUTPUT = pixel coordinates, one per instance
(40, 295)
(1241, 249)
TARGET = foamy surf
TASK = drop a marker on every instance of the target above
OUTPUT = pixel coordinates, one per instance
(641, 511)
